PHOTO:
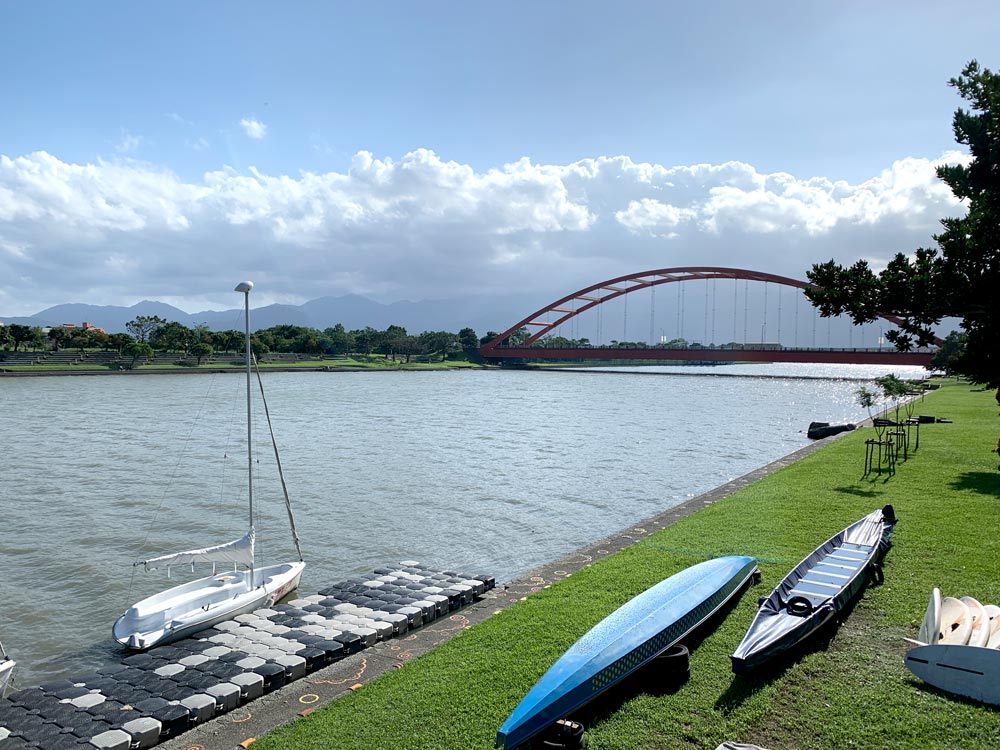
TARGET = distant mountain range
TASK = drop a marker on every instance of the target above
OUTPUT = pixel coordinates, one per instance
(482, 314)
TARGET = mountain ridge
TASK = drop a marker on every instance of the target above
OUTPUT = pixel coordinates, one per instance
(353, 311)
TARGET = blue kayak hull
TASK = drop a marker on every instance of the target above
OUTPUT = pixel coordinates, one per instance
(624, 641)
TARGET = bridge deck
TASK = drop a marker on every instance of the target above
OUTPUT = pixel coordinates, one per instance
(822, 356)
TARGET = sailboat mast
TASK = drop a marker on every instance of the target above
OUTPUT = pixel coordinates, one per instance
(245, 287)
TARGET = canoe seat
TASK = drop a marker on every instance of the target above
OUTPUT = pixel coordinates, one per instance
(831, 574)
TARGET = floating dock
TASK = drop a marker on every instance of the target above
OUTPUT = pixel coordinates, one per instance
(153, 696)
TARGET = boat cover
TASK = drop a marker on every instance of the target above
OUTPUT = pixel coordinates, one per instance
(235, 552)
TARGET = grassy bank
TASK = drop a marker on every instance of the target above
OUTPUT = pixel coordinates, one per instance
(342, 363)
(848, 688)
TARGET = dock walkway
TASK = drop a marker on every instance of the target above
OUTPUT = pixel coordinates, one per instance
(149, 697)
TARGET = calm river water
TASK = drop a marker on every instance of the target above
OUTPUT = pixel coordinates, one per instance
(486, 472)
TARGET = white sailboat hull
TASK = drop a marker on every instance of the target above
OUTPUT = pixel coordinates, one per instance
(185, 609)
(6, 672)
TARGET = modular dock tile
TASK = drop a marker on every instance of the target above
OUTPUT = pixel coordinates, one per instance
(147, 698)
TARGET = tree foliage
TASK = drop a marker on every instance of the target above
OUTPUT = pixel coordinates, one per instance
(136, 349)
(19, 334)
(143, 326)
(961, 277)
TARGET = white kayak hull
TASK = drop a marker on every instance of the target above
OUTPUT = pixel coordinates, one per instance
(971, 671)
(190, 607)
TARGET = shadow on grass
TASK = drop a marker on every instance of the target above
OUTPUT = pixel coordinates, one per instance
(857, 491)
(653, 679)
(982, 482)
(918, 684)
(745, 686)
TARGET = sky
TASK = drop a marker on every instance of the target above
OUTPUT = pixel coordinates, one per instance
(410, 151)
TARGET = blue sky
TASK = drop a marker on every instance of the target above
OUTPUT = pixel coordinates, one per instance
(406, 150)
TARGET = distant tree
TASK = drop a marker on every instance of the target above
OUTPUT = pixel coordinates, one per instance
(468, 340)
(407, 346)
(949, 353)
(143, 326)
(58, 336)
(558, 342)
(958, 279)
(258, 345)
(118, 342)
(171, 337)
(97, 338)
(21, 334)
(203, 333)
(5, 338)
(366, 340)
(392, 341)
(517, 337)
(80, 340)
(337, 341)
(307, 342)
(136, 349)
(201, 350)
(490, 335)
(230, 341)
(438, 343)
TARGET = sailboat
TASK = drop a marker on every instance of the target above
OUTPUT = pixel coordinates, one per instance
(185, 609)
(6, 671)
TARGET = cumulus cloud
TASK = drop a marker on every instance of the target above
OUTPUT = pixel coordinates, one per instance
(253, 128)
(422, 227)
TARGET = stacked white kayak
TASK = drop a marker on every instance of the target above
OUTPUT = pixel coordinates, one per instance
(958, 647)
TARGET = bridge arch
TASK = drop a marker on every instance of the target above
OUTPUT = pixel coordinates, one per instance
(597, 294)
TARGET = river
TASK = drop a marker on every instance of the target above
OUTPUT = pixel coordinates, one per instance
(489, 472)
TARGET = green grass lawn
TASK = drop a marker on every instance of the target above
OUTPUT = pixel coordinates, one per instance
(848, 687)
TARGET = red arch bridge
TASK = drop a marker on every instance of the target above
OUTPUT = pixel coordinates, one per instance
(710, 314)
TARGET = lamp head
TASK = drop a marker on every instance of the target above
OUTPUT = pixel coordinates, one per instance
(244, 287)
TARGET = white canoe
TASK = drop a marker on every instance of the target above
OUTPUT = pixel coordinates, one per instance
(993, 612)
(979, 634)
(956, 625)
(930, 628)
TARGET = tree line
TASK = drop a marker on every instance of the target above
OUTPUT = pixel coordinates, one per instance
(148, 334)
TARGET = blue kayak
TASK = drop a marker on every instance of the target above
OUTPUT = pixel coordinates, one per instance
(624, 641)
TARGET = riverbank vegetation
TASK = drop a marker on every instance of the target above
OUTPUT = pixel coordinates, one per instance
(847, 687)
(152, 342)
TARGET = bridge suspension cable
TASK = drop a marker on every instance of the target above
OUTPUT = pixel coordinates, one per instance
(652, 312)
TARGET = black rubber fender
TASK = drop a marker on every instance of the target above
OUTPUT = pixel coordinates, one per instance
(799, 606)
(565, 734)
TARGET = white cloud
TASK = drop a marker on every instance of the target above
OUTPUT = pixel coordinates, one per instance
(253, 127)
(128, 143)
(198, 145)
(650, 215)
(422, 227)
